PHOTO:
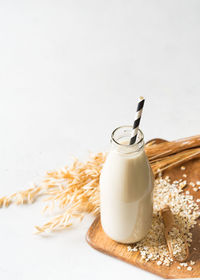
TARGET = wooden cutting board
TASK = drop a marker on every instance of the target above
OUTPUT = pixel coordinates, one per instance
(101, 242)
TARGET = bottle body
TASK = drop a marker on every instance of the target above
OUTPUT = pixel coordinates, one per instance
(126, 187)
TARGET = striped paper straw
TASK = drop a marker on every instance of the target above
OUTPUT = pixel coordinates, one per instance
(137, 120)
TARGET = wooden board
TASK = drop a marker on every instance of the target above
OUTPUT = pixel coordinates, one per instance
(101, 242)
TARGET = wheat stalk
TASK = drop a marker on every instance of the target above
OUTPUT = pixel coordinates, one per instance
(75, 190)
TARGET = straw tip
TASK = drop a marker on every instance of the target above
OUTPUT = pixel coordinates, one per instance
(141, 98)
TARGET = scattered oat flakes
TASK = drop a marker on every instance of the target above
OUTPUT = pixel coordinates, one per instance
(189, 268)
(182, 167)
(183, 184)
(184, 264)
(192, 184)
(129, 248)
(184, 175)
(185, 210)
(195, 189)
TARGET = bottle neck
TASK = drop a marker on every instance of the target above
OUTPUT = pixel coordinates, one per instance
(120, 139)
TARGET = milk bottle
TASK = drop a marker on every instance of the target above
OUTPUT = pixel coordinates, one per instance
(126, 185)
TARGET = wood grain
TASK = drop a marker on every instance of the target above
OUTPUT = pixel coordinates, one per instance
(101, 242)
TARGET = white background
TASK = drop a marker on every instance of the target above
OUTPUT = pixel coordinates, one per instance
(71, 72)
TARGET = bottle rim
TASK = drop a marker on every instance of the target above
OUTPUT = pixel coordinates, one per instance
(127, 127)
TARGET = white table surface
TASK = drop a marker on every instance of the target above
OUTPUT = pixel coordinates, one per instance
(70, 72)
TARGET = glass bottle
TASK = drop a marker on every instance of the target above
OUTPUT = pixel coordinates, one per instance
(126, 189)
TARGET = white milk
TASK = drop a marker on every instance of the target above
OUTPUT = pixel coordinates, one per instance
(126, 185)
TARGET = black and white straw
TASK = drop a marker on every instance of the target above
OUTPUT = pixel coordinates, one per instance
(137, 120)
